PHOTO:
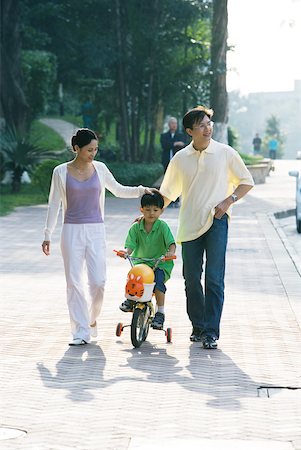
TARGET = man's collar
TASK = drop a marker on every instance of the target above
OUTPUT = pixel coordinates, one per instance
(210, 149)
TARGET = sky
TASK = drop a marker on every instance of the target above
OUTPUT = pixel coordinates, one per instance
(266, 35)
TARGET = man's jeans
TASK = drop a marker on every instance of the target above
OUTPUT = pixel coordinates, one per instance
(205, 311)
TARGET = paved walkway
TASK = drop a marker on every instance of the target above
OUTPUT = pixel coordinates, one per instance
(108, 395)
(65, 129)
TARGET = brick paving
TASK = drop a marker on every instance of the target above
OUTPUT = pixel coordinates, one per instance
(108, 395)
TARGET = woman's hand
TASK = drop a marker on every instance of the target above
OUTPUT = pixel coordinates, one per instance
(46, 247)
(151, 191)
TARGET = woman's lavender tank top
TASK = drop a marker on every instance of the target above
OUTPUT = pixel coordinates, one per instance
(83, 200)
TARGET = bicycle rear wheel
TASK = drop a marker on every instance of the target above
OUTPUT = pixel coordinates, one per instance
(140, 326)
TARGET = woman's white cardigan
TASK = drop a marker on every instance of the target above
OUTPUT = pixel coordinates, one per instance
(57, 193)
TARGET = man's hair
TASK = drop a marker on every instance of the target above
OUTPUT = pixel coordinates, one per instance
(196, 115)
(154, 199)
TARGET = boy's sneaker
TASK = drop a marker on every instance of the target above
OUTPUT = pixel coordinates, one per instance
(127, 306)
(196, 335)
(158, 321)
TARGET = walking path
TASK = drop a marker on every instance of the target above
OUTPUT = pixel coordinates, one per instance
(65, 129)
(108, 395)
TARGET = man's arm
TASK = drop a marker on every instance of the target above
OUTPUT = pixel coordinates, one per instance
(223, 207)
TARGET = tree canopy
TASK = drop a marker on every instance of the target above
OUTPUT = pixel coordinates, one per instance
(138, 61)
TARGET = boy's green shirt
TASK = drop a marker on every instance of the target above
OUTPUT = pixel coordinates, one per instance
(151, 245)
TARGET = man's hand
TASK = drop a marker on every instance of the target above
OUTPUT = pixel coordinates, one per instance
(179, 144)
(222, 208)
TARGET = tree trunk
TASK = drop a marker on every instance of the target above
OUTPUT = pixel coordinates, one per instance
(13, 104)
(218, 88)
(124, 137)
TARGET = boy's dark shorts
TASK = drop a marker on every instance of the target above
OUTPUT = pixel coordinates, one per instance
(159, 280)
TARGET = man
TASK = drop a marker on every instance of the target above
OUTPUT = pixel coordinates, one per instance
(273, 147)
(171, 142)
(256, 144)
(210, 176)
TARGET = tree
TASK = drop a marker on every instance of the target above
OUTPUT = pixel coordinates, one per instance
(218, 89)
(13, 105)
(39, 73)
(155, 56)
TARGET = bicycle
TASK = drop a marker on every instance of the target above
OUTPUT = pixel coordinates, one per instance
(141, 294)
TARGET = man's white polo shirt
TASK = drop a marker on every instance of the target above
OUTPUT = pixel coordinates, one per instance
(203, 180)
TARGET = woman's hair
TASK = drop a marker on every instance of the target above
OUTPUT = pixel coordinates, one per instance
(196, 115)
(83, 137)
(154, 199)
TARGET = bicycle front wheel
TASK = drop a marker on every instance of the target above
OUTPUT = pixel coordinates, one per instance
(139, 326)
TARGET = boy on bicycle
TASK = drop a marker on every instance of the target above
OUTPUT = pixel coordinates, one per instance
(151, 237)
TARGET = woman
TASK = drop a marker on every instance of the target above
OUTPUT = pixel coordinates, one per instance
(80, 186)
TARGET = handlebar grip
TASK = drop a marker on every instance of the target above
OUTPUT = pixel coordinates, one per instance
(119, 253)
(168, 258)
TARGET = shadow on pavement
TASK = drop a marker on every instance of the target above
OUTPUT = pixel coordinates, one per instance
(212, 373)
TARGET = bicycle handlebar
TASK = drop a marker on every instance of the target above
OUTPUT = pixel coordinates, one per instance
(123, 254)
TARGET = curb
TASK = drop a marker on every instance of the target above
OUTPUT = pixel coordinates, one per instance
(289, 248)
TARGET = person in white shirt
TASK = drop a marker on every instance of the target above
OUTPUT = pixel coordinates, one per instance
(210, 177)
(79, 186)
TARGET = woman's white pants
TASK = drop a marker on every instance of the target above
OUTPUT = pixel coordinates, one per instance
(83, 246)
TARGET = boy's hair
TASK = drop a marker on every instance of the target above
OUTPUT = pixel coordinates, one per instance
(154, 199)
(196, 115)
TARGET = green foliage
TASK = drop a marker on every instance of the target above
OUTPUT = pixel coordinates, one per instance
(136, 60)
(41, 177)
(233, 139)
(136, 174)
(20, 154)
(39, 70)
(250, 159)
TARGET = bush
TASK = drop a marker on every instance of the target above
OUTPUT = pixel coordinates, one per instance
(135, 174)
(249, 160)
(39, 70)
(41, 177)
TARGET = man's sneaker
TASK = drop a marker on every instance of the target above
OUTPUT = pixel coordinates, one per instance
(209, 342)
(158, 321)
(127, 306)
(196, 334)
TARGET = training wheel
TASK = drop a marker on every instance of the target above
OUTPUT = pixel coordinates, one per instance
(168, 334)
(119, 329)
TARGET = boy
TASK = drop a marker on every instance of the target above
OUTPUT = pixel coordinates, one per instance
(152, 238)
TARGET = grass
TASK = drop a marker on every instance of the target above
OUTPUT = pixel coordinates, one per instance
(28, 196)
(45, 137)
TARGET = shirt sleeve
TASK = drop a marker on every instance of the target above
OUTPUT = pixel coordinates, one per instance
(168, 236)
(131, 239)
(171, 186)
(54, 203)
(239, 173)
(119, 190)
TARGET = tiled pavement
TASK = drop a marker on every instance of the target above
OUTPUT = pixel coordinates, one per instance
(108, 395)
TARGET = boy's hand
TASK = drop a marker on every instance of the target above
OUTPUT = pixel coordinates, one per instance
(169, 253)
(122, 253)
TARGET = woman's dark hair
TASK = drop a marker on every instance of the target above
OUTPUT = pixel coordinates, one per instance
(83, 137)
(196, 115)
(154, 199)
